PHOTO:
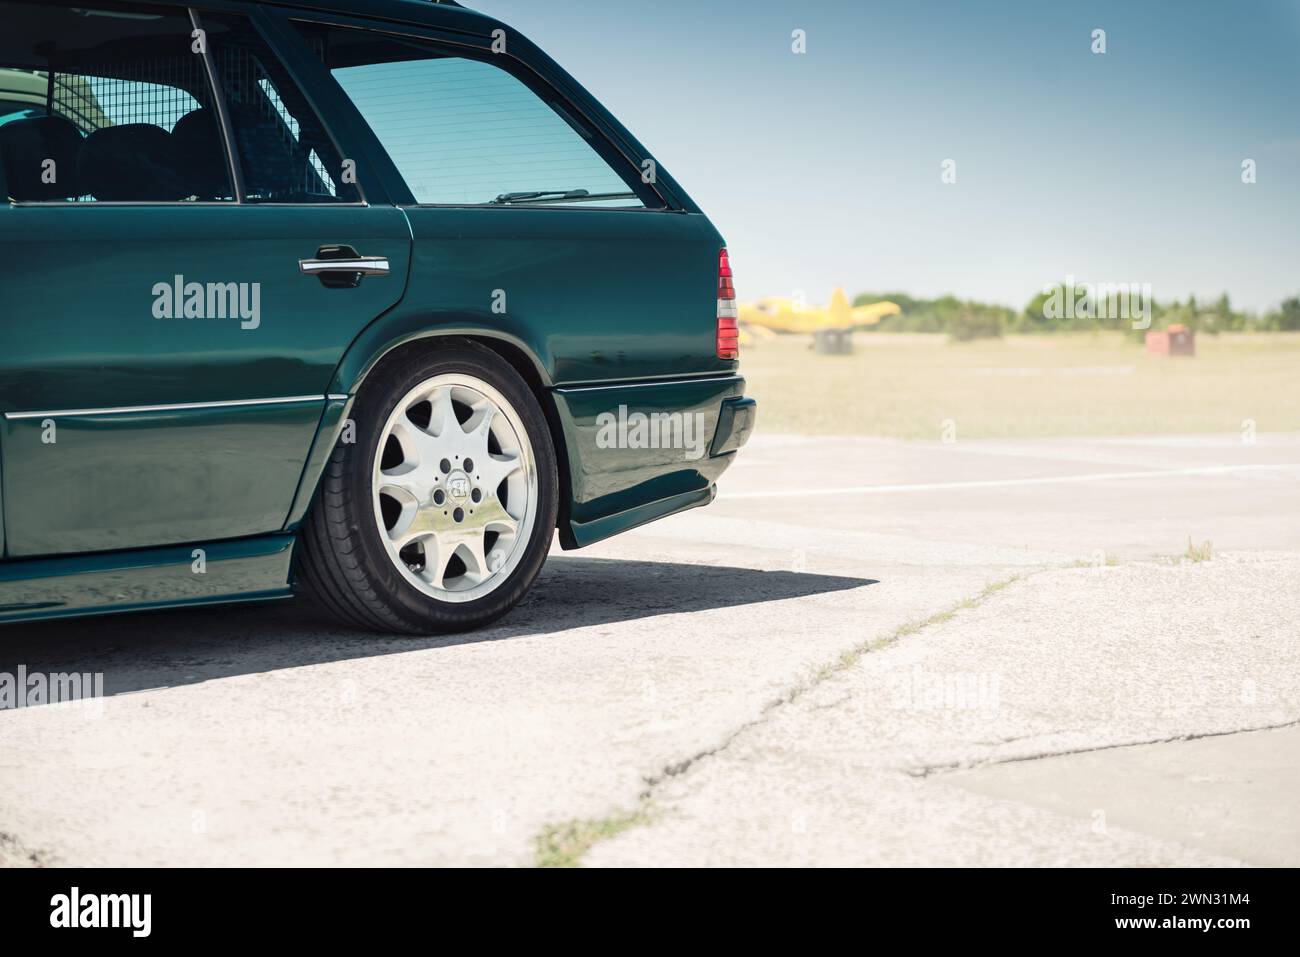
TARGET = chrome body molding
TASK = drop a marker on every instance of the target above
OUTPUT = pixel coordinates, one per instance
(647, 383)
(178, 407)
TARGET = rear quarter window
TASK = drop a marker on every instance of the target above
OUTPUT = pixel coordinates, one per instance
(464, 131)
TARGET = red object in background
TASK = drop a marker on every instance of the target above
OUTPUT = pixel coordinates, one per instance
(1177, 340)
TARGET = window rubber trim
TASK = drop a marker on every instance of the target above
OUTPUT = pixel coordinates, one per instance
(223, 113)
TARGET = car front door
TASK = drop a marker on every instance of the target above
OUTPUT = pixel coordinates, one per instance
(171, 316)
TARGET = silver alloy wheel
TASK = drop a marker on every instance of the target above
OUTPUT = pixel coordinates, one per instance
(455, 487)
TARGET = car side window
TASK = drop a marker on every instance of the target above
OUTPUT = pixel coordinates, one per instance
(464, 131)
(285, 152)
(106, 105)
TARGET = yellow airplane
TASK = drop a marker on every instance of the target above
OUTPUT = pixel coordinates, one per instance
(778, 314)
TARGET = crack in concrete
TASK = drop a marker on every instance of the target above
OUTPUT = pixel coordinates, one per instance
(13, 853)
(927, 771)
(616, 820)
(846, 660)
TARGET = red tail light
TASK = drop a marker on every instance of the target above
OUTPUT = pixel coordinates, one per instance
(728, 331)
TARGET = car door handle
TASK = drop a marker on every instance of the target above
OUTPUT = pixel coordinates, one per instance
(342, 266)
(366, 265)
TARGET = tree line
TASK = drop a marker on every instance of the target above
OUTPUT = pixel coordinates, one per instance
(966, 319)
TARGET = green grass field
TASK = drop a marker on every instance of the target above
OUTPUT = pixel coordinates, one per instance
(905, 386)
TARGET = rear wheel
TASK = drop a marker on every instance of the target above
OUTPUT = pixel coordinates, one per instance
(439, 515)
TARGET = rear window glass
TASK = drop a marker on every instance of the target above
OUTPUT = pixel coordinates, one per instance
(464, 131)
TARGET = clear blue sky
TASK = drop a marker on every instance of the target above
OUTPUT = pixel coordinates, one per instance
(824, 169)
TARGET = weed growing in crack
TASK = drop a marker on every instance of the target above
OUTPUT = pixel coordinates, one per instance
(563, 845)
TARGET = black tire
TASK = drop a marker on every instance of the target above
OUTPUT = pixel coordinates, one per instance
(343, 564)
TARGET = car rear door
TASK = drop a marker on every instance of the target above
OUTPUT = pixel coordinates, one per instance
(528, 220)
(165, 354)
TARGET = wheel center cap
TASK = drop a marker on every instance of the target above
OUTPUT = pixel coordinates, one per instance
(458, 486)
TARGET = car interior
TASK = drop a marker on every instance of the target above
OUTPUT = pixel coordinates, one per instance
(120, 104)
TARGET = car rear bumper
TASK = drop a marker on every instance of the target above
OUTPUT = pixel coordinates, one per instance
(640, 452)
(735, 423)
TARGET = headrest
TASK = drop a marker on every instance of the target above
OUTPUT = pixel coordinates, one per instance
(132, 162)
(26, 144)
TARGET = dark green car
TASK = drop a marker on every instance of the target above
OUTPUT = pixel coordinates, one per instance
(360, 299)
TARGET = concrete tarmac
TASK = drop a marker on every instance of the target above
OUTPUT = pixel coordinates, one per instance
(864, 652)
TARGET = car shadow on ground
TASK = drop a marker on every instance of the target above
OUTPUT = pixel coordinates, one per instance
(169, 648)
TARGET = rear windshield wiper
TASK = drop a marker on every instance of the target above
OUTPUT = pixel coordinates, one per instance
(540, 194)
(558, 196)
